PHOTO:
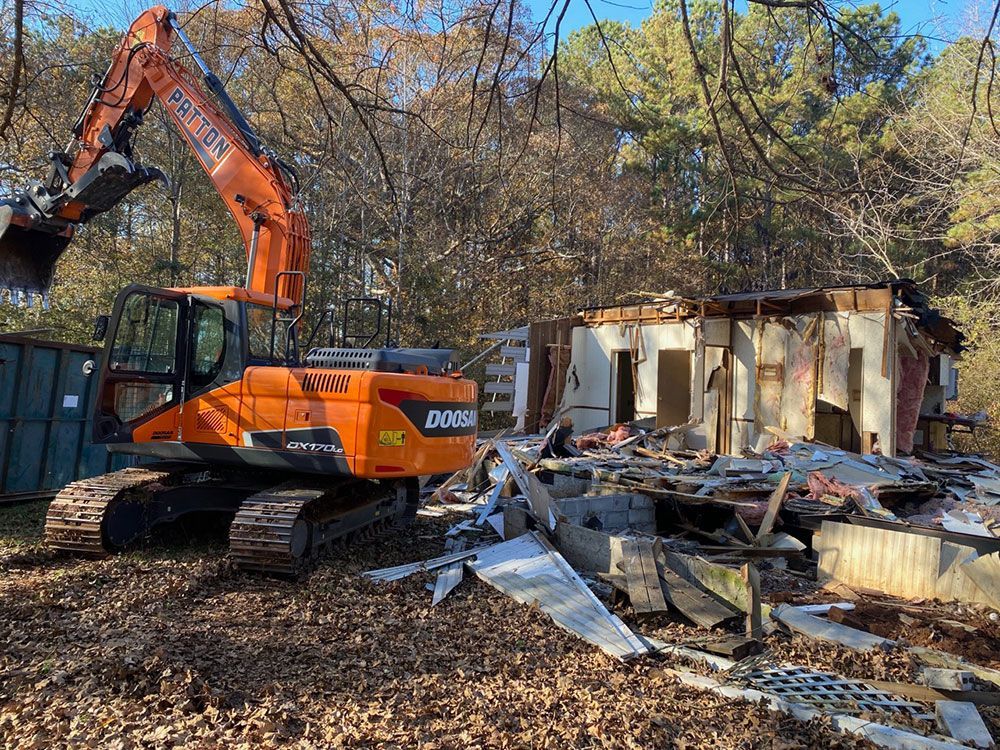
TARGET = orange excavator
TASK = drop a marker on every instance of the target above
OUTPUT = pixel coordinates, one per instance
(303, 445)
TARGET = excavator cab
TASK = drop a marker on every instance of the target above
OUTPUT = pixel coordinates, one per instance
(142, 371)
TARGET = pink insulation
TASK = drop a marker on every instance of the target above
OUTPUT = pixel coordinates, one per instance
(820, 484)
(909, 396)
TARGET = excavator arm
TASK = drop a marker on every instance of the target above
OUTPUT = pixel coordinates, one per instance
(97, 171)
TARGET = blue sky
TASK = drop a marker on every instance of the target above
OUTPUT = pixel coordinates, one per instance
(936, 19)
(939, 20)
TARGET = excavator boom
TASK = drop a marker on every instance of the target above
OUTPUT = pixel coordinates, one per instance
(98, 169)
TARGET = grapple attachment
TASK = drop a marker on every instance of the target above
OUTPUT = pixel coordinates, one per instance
(28, 251)
(37, 224)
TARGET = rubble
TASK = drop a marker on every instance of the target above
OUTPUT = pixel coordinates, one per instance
(520, 595)
(662, 535)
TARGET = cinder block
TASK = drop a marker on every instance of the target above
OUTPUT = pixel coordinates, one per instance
(573, 506)
(621, 503)
(641, 516)
(642, 502)
(564, 485)
(600, 505)
(615, 521)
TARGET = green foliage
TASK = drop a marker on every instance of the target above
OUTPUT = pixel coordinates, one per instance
(979, 368)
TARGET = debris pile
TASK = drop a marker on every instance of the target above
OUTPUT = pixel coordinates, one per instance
(649, 551)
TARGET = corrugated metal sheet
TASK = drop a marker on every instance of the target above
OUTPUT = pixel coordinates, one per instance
(45, 406)
(532, 572)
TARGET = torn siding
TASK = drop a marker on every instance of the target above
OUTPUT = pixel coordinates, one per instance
(798, 397)
(771, 348)
(744, 386)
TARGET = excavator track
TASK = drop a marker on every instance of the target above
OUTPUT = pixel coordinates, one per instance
(282, 529)
(75, 521)
(285, 529)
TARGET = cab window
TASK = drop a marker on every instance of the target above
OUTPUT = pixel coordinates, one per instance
(208, 345)
(146, 338)
(259, 332)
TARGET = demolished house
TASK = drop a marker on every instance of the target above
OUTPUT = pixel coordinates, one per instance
(736, 504)
(864, 368)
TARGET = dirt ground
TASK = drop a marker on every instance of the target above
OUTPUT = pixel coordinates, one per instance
(168, 647)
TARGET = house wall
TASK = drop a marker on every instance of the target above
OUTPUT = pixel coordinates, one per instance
(588, 392)
(589, 378)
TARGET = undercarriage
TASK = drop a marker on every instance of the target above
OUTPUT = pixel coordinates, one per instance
(280, 524)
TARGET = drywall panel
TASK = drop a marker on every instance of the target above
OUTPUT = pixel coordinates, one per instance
(744, 385)
(878, 401)
(592, 356)
(771, 346)
(798, 399)
(588, 381)
(836, 359)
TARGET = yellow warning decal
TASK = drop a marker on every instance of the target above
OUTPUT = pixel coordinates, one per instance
(391, 438)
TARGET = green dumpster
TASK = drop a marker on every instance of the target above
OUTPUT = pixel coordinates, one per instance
(46, 401)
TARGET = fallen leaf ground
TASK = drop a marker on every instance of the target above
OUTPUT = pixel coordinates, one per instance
(169, 647)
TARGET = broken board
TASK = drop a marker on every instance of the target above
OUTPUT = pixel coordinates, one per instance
(693, 603)
(644, 590)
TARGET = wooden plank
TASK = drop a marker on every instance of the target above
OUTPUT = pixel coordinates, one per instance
(773, 507)
(724, 584)
(495, 369)
(516, 353)
(694, 604)
(734, 646)
(632, 567)
(961, 720)
(644, 588)
(821, 630)
(947, 679)
(504, 388)
(751, 579)
(651, 576)
(926, 694)
(497, 406)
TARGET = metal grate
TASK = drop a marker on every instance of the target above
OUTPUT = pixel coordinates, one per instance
(820, 689)
(329, 382)
(210, 420)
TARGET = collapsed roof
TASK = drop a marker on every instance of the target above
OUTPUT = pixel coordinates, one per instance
(900, 296)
